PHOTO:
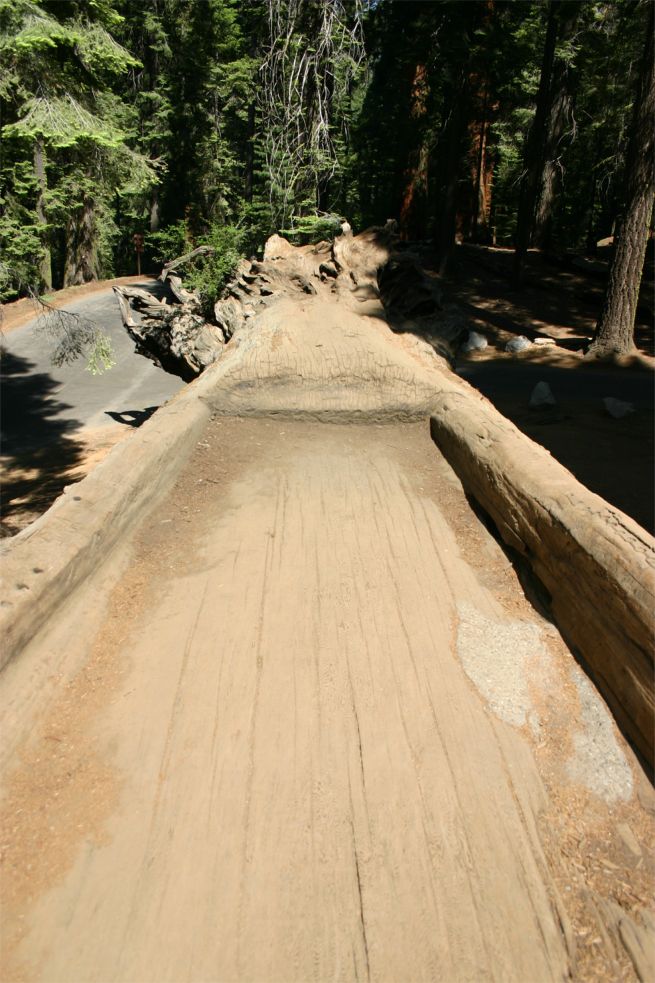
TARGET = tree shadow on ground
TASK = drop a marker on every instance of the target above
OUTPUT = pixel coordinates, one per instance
(613, 458)
(550, 297)
(39, 453)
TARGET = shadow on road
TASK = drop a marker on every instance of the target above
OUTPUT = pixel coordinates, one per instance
(39, 453)
(132, 418)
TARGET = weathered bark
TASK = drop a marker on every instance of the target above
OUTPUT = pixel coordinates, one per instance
(413, 207)
(482, 198)
(176, 335)
(597, 564)
(81, 245)
(548, 127)
(558, 125)
(45, 264)
(615, 329)
(475, 220)
(183, 260)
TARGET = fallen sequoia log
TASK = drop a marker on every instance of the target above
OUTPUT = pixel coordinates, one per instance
(597, 564)
(174, 333)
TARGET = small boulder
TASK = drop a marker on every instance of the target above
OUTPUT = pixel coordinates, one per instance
(542, 395)
(475, 342)
(518, 344)
(617, 407)
(544, 341)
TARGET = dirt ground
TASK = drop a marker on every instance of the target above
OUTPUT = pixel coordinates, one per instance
(614, 458)
(27, 492)
(309, 727)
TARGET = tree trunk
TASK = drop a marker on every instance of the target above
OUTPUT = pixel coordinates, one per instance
(550, 120)
(81, 250)
(414, 199)
(480, 211)
(558, 124)
(45, 263)
(155, 211)
(446, 226)
(250, 153)
(615, 329)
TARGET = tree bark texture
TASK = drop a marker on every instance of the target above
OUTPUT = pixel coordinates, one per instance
(558, 125)
(414, 199)
(81, 250)
(474, 222)
(549, 125)
(615, 329)
(45, 264)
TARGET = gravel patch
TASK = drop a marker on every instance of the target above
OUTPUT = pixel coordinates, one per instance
(500, 658)
(598, 762)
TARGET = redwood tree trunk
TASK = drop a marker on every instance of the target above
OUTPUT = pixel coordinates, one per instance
(615, 329)
(81, 249)
(45, 264)
(447, 217)
(414, 201)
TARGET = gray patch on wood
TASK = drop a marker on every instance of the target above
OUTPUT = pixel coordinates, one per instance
(598, 761)
(500, 658)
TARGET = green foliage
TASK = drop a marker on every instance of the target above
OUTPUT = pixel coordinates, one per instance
(222, 120)
(21, 246)
(211, 275)
(101, 355)
(168, 242)
(60, 67)
(75, 336)
(313, 228)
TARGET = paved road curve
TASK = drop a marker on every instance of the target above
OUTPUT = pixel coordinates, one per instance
(39, 401)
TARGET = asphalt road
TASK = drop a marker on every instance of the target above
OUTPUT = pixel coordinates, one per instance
(40, 401)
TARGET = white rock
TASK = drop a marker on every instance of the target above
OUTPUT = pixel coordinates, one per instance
(544, 341)
(475, 342)
(617, 408)
(542, 395)
(518, 344)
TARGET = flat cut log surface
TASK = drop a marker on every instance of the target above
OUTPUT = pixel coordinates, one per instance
(286, 754)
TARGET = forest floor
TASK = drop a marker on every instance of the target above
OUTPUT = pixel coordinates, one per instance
(612, 457)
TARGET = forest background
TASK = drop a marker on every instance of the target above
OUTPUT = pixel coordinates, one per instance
(508, 122)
